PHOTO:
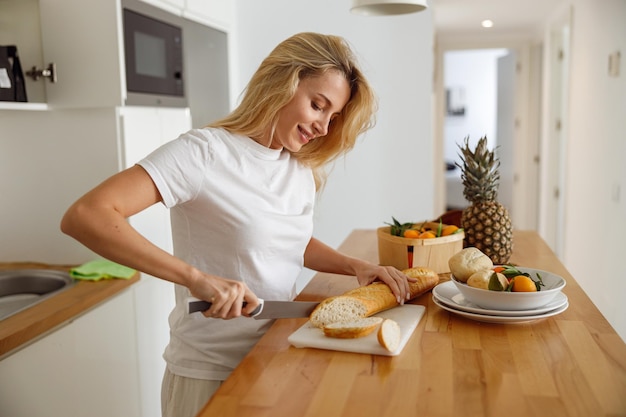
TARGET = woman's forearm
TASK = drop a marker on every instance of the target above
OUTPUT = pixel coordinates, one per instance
(98, 220)
(322, 258)
(109, 234)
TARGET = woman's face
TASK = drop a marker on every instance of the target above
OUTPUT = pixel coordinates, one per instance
(317, 101)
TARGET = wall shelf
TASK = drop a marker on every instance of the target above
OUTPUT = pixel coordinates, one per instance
(11, 105)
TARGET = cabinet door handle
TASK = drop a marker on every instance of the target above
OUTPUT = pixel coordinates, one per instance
(50, 73)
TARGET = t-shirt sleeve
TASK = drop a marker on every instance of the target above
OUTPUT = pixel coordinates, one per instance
(177, 167)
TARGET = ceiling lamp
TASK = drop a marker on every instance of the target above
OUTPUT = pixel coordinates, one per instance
(387, 7)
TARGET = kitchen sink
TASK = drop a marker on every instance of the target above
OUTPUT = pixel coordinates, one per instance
(23, 288)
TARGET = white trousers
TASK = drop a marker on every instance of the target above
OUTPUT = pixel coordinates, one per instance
(185, 397)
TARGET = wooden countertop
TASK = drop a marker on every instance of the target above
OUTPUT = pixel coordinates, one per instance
(572, 364)
(28, 325)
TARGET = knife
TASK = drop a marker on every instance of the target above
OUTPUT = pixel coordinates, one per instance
(266, 309)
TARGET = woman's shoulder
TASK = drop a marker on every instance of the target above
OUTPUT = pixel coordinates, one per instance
(205, 139)
(213, 136)
(207, 134)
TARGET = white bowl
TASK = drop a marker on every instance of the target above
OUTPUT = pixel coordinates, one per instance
(503, 300)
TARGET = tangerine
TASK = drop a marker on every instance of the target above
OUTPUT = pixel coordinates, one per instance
(427, 235)
(522, 283)
(448, 230)
(411, 234)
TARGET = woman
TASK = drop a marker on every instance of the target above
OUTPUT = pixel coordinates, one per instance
(241, 194)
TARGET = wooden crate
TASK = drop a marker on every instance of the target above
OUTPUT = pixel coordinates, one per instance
(430, 253)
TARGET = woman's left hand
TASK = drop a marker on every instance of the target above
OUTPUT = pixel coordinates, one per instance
(394, 278)
(321, 257)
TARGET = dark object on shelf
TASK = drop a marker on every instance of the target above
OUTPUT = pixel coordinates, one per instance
(12, 87)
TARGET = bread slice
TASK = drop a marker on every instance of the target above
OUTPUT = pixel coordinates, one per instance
(353, 329)
(337, 309)
(370, 299)
(389, 335)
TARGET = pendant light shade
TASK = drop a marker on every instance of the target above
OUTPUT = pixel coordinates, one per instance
(387, 7)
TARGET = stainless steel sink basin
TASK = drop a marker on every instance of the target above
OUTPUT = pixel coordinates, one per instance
(23, 288)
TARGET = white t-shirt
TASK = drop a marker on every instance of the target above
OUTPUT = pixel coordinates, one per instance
(241, 211)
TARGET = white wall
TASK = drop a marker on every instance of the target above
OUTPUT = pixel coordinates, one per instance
(389, 173)
(43, 170)
(595, 188)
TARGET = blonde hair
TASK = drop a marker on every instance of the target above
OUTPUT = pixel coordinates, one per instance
(275, 82)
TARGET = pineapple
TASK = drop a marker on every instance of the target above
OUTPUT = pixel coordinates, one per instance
(486, 222)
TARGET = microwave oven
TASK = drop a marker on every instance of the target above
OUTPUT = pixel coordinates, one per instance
(153, 54)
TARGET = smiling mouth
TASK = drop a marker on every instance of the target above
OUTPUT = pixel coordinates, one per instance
(305, 135)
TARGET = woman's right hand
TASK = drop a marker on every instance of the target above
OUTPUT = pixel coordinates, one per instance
(225, 295)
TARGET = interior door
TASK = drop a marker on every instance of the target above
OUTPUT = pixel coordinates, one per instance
(505, 130)
(554, 158)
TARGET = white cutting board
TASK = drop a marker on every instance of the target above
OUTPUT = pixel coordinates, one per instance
(407, 316)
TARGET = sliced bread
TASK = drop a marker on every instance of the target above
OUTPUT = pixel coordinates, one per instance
(370, 299)
(352, 329)
(389, 335)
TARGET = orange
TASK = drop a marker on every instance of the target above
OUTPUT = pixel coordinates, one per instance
(427, 235)
(411, 234)
(448, 230)
(522, 283)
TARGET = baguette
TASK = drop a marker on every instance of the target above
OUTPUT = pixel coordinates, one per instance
(352, 329)
(370, 299)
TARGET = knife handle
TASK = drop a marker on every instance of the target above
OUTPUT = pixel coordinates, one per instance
(195, 304)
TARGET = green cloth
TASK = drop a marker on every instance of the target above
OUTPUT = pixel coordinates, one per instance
(101, 269)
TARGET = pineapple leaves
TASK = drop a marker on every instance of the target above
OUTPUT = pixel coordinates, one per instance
(479, 171)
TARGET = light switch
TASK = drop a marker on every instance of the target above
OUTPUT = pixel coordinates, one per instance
(614, 64)
(615, 192)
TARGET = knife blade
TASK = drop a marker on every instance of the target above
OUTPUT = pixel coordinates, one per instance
(265, 310)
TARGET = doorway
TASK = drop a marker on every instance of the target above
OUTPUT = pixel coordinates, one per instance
(493, 91)
(476, 106)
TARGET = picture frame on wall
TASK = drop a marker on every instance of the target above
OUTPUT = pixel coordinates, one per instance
(455, 102)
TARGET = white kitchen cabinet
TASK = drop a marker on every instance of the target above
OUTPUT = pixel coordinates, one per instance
(23, 30)
(143, 129)
(173, 6)
(86, 368)
(84, 39)
(154, 300)
(220, 12)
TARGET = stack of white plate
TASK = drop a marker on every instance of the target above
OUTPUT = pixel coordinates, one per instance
(447, 296)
